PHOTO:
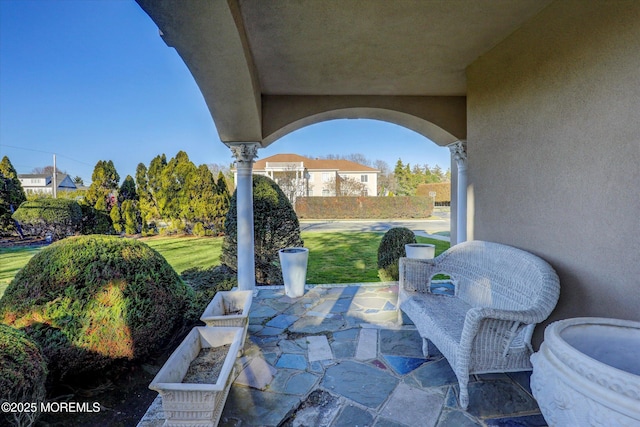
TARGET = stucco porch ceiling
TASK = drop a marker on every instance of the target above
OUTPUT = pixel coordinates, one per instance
(264, 65)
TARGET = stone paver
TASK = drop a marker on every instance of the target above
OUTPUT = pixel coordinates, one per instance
(338, 356)
(319, 348)
(367, 344)
(258, 374)
(403, 397)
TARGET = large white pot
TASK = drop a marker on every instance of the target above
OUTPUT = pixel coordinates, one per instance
(188, 404)
(294, 270)
(587, 373)
(420, 250)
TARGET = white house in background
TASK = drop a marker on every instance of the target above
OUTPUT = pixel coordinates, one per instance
(317, 177)
(43, 183)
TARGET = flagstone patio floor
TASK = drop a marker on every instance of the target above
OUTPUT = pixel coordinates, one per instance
(339, 356)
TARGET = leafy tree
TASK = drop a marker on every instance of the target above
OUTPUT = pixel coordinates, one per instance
(78, 180)
(105, 180)
(11, 194)
(127, 190)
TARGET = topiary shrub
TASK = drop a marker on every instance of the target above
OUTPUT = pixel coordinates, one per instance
(58, 217)
(275, 225)
(95, 302)
(23, 372)
(390, 251)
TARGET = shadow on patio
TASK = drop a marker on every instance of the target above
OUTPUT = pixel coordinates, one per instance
(338, 356)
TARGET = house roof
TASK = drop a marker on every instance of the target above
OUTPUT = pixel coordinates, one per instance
(60, 177)
(314, 164)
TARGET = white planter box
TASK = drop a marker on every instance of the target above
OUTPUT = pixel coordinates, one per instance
(420, 250)
(188, 404)
(294, 270)
(229, 308)
(587, 373)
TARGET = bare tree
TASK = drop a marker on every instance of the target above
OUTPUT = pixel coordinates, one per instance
(386, 178)
(292, 183)
(46, 170)
(345, 186)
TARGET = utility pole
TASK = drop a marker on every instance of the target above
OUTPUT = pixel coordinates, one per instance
(55, 178)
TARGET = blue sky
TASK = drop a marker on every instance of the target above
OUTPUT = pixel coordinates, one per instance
(92, 80)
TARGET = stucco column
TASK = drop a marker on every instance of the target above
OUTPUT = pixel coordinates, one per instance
(245, 153)
(459, 154)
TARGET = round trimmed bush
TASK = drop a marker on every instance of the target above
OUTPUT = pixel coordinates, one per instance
(94, 301)
(390, 251)
(275, 226)
(23, 372)
(59, 217)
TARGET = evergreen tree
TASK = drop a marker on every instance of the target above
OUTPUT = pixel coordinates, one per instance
(146, 205)
(154, 175)
(16, 193)
(173, 195)
(127, 190)
(204, 197)
(223, 202)
(11, 194)
(131, 217)
(105, 180)
(116, 219)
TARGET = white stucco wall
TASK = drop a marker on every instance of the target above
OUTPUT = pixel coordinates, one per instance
(554, 151)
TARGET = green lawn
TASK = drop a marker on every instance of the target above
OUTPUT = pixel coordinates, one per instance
(348, 257)
(187, 252)
(342, 257)
(11, 261)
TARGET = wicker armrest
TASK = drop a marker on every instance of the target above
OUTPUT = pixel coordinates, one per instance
(416, 274)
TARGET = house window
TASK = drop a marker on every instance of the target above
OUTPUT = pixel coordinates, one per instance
(326, 193)
(365, 192)
(364, 178)
(326, 176)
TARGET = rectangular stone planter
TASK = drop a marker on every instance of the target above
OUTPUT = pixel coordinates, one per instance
(229, 308)
(189, 404)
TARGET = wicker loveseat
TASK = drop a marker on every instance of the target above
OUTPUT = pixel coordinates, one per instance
(500, 294)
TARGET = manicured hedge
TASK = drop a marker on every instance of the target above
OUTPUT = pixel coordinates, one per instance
(93, 302)
(363, 207)
(442, 190)
(58, 217)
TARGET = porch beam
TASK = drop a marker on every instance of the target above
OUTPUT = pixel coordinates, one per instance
(245, 153)
(459, 155)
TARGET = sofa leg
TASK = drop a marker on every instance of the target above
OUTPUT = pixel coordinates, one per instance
(425, 347)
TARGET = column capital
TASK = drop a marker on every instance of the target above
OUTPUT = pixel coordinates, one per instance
(459, 152)
(244, 152)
